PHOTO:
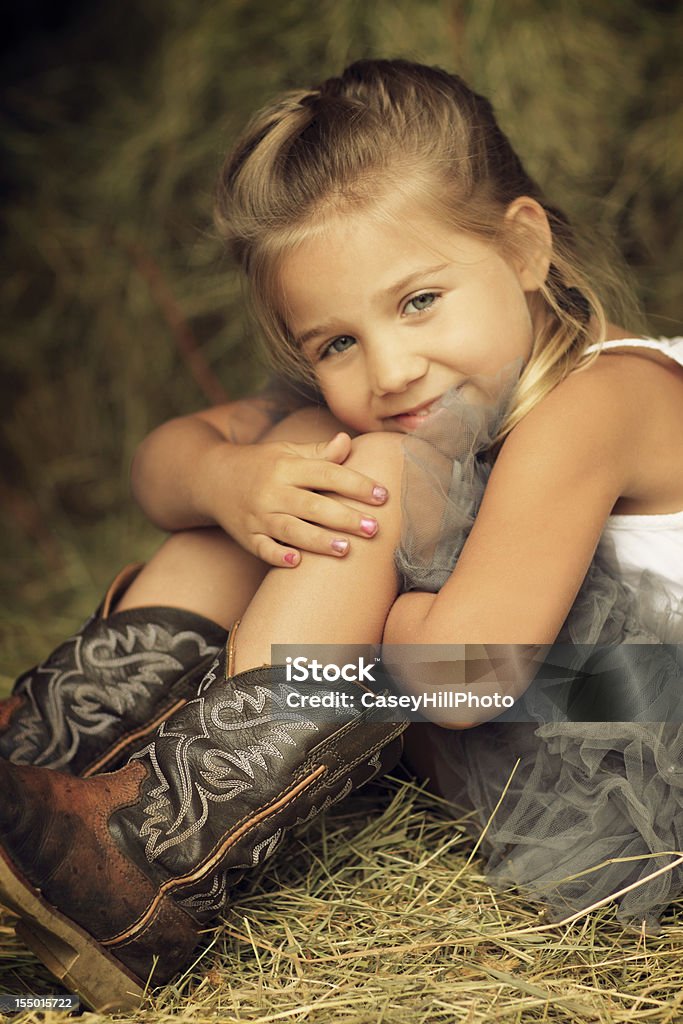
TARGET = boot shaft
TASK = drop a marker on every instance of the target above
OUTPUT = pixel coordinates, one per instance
(86, 707)
(234, 770)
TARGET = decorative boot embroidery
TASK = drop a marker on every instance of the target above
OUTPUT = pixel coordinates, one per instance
(92, 682)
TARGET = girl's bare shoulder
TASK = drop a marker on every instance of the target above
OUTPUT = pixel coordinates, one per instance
(626, 410)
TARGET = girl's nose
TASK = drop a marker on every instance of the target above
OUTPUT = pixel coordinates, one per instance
(391, 370)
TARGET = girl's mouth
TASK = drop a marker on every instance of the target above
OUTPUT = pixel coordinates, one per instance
(414, 418)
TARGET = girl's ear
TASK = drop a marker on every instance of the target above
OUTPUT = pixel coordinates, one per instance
(528, 224)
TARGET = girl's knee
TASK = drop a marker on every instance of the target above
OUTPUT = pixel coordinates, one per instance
(379, 454)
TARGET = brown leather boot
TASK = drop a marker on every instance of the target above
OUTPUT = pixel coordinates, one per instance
(112, 873)
(101, 692)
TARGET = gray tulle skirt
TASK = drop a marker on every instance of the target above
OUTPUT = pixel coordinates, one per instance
(575, 812)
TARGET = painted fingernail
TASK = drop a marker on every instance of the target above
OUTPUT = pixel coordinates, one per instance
(291, 558)
(368, 526)
(380, 493)
(341, 546)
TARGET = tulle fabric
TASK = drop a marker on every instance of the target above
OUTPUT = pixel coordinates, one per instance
(591, 807)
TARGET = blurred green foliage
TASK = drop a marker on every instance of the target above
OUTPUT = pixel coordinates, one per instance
(112, 139)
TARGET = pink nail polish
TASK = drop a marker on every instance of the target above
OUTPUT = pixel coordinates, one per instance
(290, 558)
(380, 493)
(339, 545)
(368, 526)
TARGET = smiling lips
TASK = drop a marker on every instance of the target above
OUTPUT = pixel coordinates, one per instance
(415, 417)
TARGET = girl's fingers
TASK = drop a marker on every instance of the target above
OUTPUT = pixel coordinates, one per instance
(295, 534)
(324, 531)
(272, 553)
(347, 483)
(328, 513)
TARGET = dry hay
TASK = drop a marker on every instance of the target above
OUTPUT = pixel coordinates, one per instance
(379, 912)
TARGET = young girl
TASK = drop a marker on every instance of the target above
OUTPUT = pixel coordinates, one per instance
(400, 259)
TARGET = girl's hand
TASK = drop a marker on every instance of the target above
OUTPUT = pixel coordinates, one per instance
(276, 498)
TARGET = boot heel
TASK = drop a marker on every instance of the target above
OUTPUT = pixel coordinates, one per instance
(85, 972)
(72, 955)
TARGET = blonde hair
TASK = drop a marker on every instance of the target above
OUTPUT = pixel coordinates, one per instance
(385, 128)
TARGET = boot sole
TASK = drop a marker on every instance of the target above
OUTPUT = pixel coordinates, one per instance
(80, 963)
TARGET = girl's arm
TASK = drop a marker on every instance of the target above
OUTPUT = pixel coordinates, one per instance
(222, 466)
(557, 478)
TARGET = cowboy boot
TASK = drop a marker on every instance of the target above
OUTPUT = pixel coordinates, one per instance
(101, 692)
(115, 876)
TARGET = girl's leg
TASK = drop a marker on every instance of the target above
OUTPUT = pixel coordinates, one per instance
(202, 571)
(208, 573)
(325, 601)
(205, 570)
(333, 601)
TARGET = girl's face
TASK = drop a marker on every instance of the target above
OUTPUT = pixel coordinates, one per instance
(394, 314)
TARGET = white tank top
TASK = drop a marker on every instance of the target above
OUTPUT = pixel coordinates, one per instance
(633, 544)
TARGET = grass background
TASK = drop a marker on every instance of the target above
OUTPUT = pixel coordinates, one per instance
(120, 310)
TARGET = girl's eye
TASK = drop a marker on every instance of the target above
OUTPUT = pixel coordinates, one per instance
(338, 345)
(420, 302)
